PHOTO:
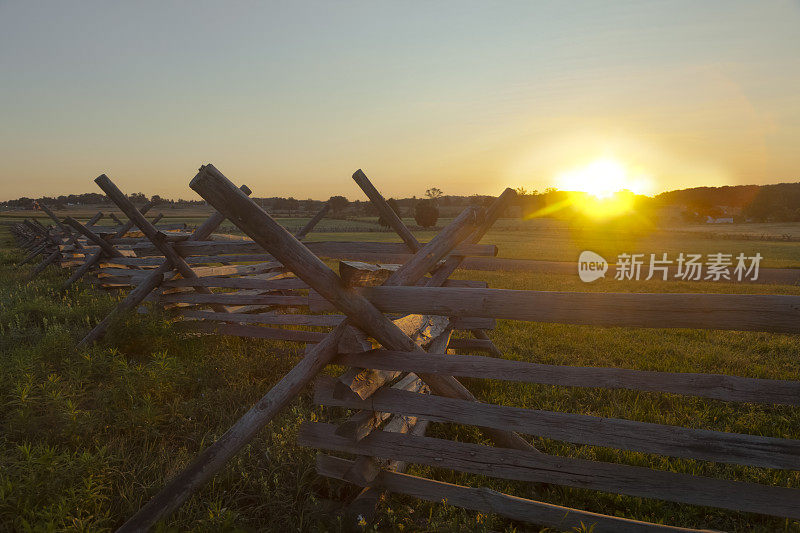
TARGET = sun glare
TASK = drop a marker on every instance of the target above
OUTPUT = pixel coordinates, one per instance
(604, 188)
(602, 178)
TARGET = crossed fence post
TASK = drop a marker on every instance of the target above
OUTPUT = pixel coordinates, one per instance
(156, 276)
(365, 469)
(444, 271)
(218, 191)
(95, 258)
(39, 241)
(74, 238)
(65, 235)
(115, 219)
(25, 237)
(56, 240)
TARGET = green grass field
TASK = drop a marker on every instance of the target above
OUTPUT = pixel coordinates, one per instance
(86, 436)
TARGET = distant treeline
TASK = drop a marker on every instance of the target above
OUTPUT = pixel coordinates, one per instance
(89, 198)
(760, 203)
(339, 204)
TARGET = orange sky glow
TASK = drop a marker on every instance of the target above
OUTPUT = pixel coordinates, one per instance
(470, 97)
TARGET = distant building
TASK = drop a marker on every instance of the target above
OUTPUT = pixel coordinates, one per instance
(721, 220)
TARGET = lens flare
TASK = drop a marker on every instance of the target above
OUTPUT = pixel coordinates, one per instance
(603, 189)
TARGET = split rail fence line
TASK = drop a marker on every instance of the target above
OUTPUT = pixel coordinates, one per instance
(402, 374)
(266, 286)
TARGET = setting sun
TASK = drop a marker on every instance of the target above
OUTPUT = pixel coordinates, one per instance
(602, 178)
(603, 189)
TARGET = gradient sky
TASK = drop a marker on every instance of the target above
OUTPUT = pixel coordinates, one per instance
(292, 97)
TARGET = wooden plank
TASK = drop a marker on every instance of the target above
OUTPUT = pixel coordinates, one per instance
(472, 323)
(134, 238)
(319, 304)
(239, 283)
(481, 335)
(422, 329)
(522, 465)
(235, 270)
(743, 312)
(305, 320)
(300, 235)
(234, 299)
(483, 345)
(332, 249)
(155, 260)
(674, 441)
(362, 423)
(41, 266)
(253, 332)
(107, 248)
(64, 229)
(360, 274)
(200, 272)
(493, 502)
(716, 386)
(268, 318)
(385, 211)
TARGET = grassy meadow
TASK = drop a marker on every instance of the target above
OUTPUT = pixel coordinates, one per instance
(86, 436)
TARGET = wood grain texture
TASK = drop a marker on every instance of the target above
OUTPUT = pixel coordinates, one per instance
(493, 502)
(716, 386)
(537, 467)
(329, 249)
(743, 312)
(674, 441)
(253, 332)
(235, 299)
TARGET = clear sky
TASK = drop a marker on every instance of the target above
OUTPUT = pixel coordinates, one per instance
(292, 97)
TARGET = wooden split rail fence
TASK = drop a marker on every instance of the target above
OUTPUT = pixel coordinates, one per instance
(393, 334)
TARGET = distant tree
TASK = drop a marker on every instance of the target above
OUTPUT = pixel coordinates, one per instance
(395, 207)
(412, 204)
(138, 197)
(522, 192)
(434, 193)
(426, 213)
(156, 199)
(292, 204)
(368, 209)
(338, 203)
